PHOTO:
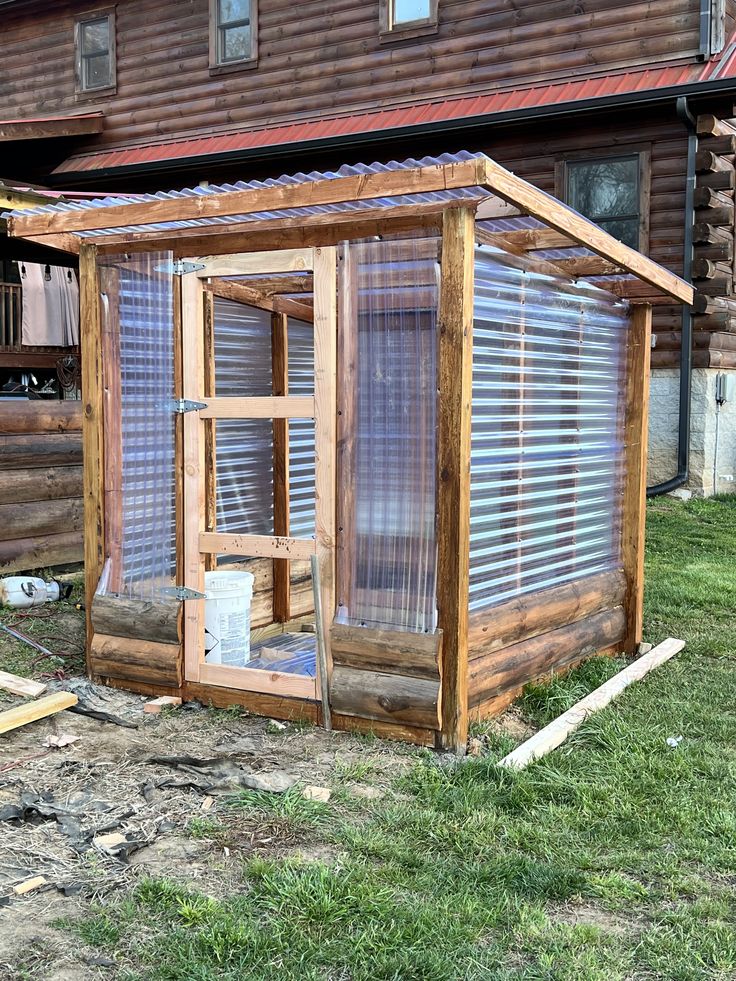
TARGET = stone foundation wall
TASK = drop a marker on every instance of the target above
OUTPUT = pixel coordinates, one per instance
(712, 431)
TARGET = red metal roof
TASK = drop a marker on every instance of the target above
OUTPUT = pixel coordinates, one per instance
(374, 121)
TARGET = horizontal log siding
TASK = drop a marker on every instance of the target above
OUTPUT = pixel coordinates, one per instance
(328, 60)
(41, 519)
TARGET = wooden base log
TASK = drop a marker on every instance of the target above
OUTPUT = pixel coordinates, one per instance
(527, 616)
(118, 616)
(557, 732)
(515, 666)
(136, 660)
(385, 697)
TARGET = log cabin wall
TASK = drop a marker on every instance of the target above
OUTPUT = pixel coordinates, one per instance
(714, 321)
(329, 60)
(41, 513)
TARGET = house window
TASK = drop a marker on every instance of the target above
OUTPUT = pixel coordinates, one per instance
(407, 18)
(95, 49)
(233, 30)
(608, 191)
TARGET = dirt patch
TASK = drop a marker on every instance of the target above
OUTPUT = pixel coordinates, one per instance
(608, 922)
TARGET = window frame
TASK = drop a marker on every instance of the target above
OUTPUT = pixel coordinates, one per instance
(89, 17)
(389, 31)
(641, 152)
(217, 65)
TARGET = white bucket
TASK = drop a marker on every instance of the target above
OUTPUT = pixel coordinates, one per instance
(227, 617)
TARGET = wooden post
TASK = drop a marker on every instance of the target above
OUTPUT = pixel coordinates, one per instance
(280, 386)
(92, 428)
(325, 427)
(455, 328)
(210, 425)
(635, 473)
(109, 284)
(192, 334)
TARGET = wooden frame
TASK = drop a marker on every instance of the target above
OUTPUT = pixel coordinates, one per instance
(644, 155)
(98, 91)
(218, 65)
(420, 687)
(391, 30)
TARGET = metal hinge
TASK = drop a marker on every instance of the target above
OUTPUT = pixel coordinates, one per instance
(179, 267)
(186, 405)
(182, 592)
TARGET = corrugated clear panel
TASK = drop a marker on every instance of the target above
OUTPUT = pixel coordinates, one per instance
(301, 431)
(244, 447)
(387, 434)
(547, 430)
(137, 323)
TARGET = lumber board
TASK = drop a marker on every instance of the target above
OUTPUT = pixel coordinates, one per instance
(144, 660)
(255, 263)
(455, 329)
(193, 458)
(257, 546)
(21, 686)
(241, 293)
(635, 470)
(21, 715)
(358, 187)
(259, 407)
(396, 652)
(385, 697)
(281, 514)
(554, 734)
(92, 426)
(527, 616)
(325, 435)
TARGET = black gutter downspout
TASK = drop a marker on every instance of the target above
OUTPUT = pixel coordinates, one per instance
(686, 334)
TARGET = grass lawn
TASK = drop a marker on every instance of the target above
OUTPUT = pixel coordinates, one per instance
(613, 858)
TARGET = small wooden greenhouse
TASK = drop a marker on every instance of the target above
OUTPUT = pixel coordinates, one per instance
(424, 381)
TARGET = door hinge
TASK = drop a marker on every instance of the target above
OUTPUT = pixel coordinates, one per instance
(182, 592)
(186, 405)
(179, 267)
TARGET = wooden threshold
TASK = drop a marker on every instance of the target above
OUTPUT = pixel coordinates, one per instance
(255, 679)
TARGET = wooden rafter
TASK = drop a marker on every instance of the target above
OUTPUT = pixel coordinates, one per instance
(232, 290)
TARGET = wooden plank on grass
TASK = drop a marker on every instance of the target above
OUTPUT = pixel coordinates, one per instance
(556, 732)
(21, 686)
(21, 715)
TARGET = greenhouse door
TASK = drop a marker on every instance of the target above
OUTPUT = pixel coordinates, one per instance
(240, 282)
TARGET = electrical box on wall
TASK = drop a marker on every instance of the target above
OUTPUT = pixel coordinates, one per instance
(725, 388)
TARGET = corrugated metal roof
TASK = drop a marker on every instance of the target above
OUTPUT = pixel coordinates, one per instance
(346, 170)
(620, 83)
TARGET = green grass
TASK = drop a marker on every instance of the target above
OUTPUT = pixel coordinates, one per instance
(613, 858)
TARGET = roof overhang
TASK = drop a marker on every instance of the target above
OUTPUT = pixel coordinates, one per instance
(322, 209)
(51, 127)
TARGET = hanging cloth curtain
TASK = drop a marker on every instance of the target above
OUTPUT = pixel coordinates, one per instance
(50, 306)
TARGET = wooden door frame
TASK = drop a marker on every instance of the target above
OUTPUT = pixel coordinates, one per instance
(197, 540)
